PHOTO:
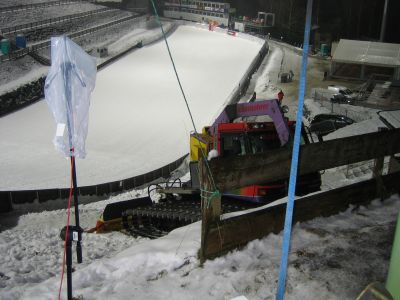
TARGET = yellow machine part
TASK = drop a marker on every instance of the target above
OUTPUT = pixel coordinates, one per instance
(198, 143)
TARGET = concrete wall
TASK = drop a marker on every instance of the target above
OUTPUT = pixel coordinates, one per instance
(8, 198)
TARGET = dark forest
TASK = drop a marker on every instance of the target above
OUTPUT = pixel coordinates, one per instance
(335, 19)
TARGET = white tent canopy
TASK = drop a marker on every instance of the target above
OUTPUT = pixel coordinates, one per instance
(367, 53)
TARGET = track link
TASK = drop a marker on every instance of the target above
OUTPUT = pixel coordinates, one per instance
(159, 219)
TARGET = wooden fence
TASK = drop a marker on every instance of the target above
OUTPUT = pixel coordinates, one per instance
(220, 236)
(242, 171)
(235, 232)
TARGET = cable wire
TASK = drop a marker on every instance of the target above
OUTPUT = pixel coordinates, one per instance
(66, 236)
(183, 93)
(173, 65)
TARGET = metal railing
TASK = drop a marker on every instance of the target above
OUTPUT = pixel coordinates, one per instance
(357, 113)
(45, 44)
(38, 5)
(80, 33)
(14, 55)
(47, 22)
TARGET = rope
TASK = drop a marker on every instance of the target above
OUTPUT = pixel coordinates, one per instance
(183, 94)
(180, 244)
(295, 158)
(211, 195)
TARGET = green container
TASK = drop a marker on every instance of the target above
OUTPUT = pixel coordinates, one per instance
(393, 280)
(5, 46)
(324, 50)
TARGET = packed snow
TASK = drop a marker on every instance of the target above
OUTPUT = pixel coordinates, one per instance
(330, 258)
(137, 121)
(16, 73)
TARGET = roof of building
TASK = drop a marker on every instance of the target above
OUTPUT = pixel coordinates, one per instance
(368, 53)
(391, 118)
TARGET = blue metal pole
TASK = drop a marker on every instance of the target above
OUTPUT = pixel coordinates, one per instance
(295, 158)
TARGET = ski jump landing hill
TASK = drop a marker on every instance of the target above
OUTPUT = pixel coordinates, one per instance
(138, 123)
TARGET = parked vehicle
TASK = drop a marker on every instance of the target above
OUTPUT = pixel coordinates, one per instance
(330, 95)
(340, 89)
(340, 98)
(323, 124)
(345, 92)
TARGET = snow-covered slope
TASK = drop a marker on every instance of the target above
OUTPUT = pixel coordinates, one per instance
(138, 121)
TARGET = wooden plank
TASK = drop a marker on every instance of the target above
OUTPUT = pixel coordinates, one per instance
(235, 232)
(377, 173)
(234, 172)
(180, 191)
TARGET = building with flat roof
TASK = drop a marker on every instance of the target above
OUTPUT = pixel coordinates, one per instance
(364, 59)
(261, 25)
(198, 11)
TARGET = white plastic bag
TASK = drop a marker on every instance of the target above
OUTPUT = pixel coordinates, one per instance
(70, 81)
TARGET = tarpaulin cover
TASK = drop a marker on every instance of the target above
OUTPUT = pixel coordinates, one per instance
(70, 81)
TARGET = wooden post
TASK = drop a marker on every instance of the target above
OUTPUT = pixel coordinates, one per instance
(377, 173)
(210, 206)
(394, 164)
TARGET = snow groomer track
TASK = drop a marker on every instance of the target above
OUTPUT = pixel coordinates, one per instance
(138, 123)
